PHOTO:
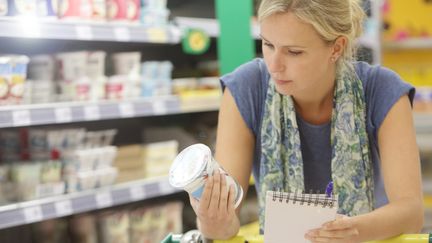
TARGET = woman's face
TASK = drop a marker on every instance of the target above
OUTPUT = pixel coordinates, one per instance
(298, 60)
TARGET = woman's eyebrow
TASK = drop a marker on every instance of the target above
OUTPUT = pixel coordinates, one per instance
(287, 46)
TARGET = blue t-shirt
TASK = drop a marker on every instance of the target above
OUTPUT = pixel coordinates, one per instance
(383, 87)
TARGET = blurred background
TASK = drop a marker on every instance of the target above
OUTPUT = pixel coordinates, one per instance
(97, 97)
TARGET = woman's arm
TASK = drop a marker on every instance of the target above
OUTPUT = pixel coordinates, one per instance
(234, 152)
(400, 167)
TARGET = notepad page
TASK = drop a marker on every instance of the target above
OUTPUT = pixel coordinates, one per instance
(289, 222)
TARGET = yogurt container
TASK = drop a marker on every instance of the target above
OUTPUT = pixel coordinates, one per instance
(191, 168)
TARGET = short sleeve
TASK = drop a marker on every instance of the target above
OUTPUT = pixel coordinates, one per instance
(383, 88)
(248, 85)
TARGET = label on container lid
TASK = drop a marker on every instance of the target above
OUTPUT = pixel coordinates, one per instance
(189, 165)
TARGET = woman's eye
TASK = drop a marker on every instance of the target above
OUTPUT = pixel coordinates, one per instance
(295, 53)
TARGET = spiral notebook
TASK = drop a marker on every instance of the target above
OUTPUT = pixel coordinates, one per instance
(288, 216)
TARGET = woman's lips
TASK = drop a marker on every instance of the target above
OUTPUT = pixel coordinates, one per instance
(282, 82)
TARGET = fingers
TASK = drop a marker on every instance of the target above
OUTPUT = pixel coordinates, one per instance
(325, 235)
(231, 199)
(223, 195)
(204, 201)
(340, 223)
(215, 194)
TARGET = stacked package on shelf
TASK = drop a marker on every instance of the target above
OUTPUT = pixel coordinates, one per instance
(83, 228)
(13, 75)
(123, 10)
(148, 12)
(146, 224)
(137, 161)
(90, 164)
(125, 83)
(74, 83)
(151, 224)
(198, 92)
(156, 78)
(38, 163)
(114, 227)
(41, 87)
(26, 179)
(154, 12)
(129, 163)
(158, 157)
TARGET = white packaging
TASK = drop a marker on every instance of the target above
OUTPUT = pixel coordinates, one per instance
(114, 88)
(26, 178)
(106, 176)
(114, 227)
(127, 63)
(98, 88)
(191, 168)
(96, 64)
(5, 78)
(50, 189)
(72, 65)
(106, 156)
(86, 180)
(38, 144)
(42, 67)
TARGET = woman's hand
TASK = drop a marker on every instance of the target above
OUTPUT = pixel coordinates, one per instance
(340, 230)
(215, 210)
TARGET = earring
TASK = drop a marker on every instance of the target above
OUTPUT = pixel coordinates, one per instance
(333, 59)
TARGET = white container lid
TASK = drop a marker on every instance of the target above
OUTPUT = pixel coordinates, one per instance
(189, 165)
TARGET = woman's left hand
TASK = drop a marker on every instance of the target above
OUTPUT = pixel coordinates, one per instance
(342, 229)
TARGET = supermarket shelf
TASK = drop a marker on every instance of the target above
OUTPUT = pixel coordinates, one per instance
(413, 43)
(69, 204)
(211, 26)
(87, 31)
(56, 113)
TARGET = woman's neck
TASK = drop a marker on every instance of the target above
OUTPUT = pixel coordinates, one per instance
(316, 106)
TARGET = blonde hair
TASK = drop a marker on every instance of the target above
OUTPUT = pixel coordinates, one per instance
(330, 18)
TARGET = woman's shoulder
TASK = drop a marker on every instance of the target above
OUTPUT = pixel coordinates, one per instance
(248, 85)
(373, 74)
(250, 73)
(382, 88)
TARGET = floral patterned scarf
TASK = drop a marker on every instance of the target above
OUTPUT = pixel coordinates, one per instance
(281, 160)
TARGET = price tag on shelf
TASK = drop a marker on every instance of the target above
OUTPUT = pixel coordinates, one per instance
(33, 214)
(157, 35)
(122, 34)
(91, 112)
(104, 200)
(31, 30)
(126, 110)
(137, 192)
(159, 107)
(84, 32)
(63, 115)
(63, 208)
(21, 118)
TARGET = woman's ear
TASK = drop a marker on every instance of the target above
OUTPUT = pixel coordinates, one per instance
(338, 47)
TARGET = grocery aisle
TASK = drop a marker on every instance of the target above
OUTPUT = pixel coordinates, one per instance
(97, 97)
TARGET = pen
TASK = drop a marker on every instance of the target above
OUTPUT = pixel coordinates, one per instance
(329, 189)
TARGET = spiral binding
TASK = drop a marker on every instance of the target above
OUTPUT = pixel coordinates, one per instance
(310, 198)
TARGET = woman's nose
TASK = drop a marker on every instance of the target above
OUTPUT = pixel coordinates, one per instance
(276, 63)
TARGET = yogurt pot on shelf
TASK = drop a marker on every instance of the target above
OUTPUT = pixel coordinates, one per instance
(191, 168)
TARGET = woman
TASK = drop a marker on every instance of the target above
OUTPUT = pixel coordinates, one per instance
(308, 114)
